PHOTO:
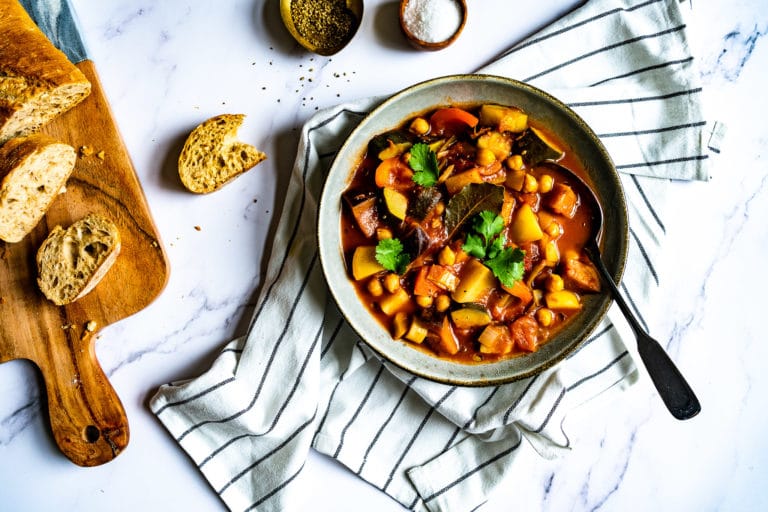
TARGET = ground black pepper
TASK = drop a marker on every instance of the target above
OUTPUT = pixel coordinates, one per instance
(326, 25)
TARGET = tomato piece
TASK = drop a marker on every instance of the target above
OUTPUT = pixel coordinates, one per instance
(451, 120)
(525, 332)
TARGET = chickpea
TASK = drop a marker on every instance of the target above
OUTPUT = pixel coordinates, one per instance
(515, 162)
(424, 301)
(530, 184)
(546, 182)
(392, 282)
(446, 256)
(554, 229)
(419, 126)
(374, 287)
(554, 283)
(442, 302)
(485, 157)
(545, 317)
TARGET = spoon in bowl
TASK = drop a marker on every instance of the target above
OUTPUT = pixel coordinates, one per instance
(669, 382)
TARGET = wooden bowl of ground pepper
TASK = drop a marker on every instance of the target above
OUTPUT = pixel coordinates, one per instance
(322, 26)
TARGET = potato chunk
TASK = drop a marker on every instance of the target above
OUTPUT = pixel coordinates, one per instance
(364, 262)
(475, 282)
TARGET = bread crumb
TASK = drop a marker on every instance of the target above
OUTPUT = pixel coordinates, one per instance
(86, 150)
(101, 155)
(90, 326)
(198, 228)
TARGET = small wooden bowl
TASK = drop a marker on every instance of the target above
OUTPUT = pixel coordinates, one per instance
(431, 45)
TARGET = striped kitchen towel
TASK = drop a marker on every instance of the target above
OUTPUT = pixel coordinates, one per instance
(302, 379)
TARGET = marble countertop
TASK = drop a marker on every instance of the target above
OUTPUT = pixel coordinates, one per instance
(166, 66)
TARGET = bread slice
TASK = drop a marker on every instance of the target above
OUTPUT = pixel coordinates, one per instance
(37, 81)
(33, 170)
(72, 261)
(212, 156)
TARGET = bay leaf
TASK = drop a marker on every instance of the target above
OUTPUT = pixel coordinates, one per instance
(469, 201)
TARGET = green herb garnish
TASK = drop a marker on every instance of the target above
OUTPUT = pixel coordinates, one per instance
(486, 238)
(507, 265)
(389, 253)
(424, 163)
(486, 242)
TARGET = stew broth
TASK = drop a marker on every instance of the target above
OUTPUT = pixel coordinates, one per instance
(490, 262)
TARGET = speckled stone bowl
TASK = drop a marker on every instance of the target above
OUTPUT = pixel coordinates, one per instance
(468, 90)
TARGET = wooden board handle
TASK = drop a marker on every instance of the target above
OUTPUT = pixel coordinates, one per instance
(87, 418)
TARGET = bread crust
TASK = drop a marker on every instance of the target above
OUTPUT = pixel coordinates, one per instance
(212, 156)
(33, 170)
(37, 81)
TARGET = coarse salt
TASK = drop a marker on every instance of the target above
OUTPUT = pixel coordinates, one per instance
(432, 21)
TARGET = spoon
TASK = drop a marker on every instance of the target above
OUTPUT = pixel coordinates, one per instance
(323, 27)
(669, 382)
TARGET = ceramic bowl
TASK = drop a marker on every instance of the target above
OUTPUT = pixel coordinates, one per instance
(471, 90)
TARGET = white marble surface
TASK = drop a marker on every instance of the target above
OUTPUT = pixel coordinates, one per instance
(166, 66)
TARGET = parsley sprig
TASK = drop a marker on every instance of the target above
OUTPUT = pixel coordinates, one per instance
(389, 253)
(486, 241)
(424, 163)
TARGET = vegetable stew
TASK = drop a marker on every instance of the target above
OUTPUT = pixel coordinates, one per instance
(461, 239)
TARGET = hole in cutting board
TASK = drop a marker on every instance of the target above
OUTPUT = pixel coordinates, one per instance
(91, 434)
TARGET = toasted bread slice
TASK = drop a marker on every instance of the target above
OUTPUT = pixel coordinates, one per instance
(33, 170)
(212, 156)
(72, 261)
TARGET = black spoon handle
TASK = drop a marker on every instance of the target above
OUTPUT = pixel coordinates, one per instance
(670, 383)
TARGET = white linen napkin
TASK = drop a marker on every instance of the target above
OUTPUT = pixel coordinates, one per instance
(302, 379)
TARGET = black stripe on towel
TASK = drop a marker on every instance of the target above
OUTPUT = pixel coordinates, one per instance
(406, 389)
(605, 49)
(643, 252)
(652, 131)
(332, 338)
(582, 23)
(576, 384)
(357, 411)
(267, 455)
(277, 416)
(270, 362)
(662, 162)
(474, 470)
(421, 426)
(647, 202)
(638, 99)
(638, 71)
(276, 489)
(518, 399)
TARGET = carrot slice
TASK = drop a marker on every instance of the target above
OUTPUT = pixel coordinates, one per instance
(452, 119)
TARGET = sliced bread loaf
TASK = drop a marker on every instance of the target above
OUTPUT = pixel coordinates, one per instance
(212, 156)
(33, 170)
(72, 261)
(37, 81)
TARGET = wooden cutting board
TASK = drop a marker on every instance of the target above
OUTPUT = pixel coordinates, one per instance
(87, 418)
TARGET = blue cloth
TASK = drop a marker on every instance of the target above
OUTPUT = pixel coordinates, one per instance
(57, 20)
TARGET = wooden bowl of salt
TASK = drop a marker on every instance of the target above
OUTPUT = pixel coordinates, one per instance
(432, 24)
